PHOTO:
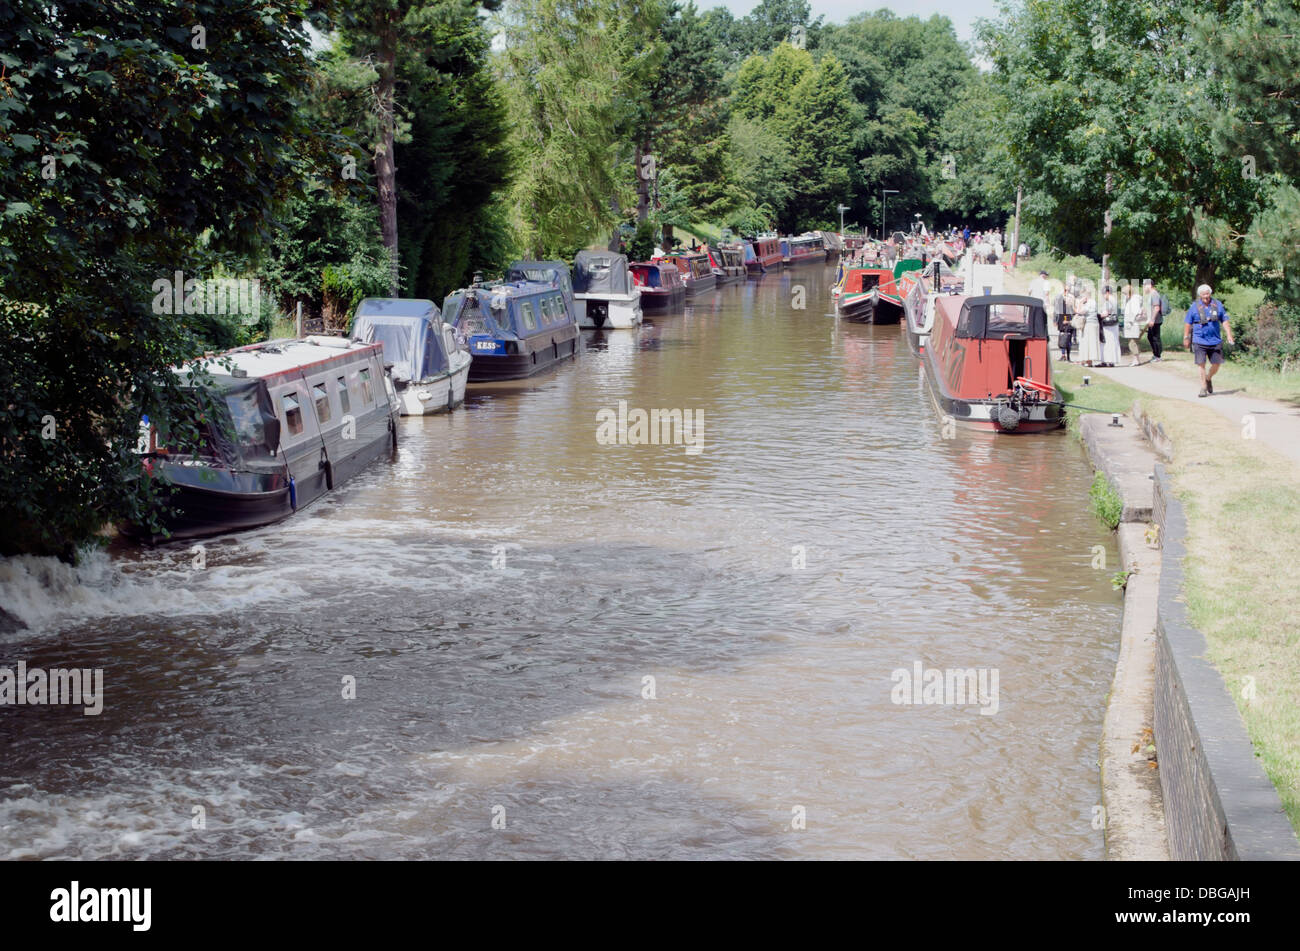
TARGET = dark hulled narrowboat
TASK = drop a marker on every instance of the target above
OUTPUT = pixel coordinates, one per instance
(803, 249)
(763, 254)
(728, 261)
(696, 271)
(281, 423)
(513, 328)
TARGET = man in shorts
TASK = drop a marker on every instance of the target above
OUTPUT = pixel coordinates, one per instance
(1203, 330)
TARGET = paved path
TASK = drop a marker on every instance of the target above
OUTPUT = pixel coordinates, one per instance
(1277, 425)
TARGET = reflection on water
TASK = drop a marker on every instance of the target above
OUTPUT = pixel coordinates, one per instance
(604, 650)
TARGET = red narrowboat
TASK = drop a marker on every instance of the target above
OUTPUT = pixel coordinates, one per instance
(762, 254)
(660, 283)
(988, 365)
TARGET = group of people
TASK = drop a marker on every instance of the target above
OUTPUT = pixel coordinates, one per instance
(1091, 329)
(1094, 327)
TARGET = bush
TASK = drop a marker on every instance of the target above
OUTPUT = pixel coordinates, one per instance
(642, 245)
(1271, 338)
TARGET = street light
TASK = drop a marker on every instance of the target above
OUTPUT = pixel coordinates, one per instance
(883, 193)
(842, 209)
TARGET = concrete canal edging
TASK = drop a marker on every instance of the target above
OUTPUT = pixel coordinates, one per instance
(1130, 785)
(1209, 799)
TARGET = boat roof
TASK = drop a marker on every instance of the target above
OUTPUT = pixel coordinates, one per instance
(993, 315)
(274, 357)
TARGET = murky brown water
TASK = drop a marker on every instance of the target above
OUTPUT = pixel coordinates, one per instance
(517, 692)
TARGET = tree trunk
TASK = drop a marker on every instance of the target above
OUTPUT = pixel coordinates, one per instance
(615, 239)
(385, 168)
(642, 187)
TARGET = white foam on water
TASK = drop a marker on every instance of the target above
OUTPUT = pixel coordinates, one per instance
(46, 594)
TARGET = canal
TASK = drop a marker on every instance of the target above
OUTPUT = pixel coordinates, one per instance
(560, 648)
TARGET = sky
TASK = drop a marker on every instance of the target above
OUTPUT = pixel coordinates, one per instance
(963, 13)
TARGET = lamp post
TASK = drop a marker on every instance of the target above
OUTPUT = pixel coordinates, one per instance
(883, 193)
(842, 209)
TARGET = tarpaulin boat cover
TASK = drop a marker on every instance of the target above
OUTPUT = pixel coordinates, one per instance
(411, 332)
(601, 272)
(545, 272)
(996, 315)
(237, 435)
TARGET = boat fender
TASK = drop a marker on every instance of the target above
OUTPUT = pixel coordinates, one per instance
(1008, 417)
(451, 394)
(329, 469)
(293, 495)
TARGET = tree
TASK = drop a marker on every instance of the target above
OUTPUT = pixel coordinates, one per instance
(457, 157)
(1258, 128)
(575, 72)
(906, 77)
(1108, 129)
(805, 106)
(684, 122)
(120, 145)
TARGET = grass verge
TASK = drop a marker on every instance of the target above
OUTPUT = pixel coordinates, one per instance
(1243, 513)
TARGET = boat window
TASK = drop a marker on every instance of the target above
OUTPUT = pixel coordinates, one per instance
(249, 424)
(322, 398)
(547, 314)
(367, 393)
(526, 310)
(472, 320)
(292, 413)
(344, 402)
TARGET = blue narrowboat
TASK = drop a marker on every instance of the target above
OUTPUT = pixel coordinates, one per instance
(513, 328)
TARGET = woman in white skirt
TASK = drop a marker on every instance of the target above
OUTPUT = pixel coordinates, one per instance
(1134, 322)
(1109, 315)
(1085, 308)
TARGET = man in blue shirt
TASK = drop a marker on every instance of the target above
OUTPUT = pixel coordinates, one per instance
(1201, 331)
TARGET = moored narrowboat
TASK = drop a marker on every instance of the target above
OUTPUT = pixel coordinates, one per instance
(428, 367)
(762, 254)
(728, 262)
(988, 366)
(604, 292)
(513, 328)
(858, 292)
(803, 249)
(696, 271)
(280, 423)
(660, 284)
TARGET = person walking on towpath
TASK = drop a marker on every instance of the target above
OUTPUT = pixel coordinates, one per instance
(1203, 330)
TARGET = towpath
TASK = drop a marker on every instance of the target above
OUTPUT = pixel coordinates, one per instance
(1276, 425)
